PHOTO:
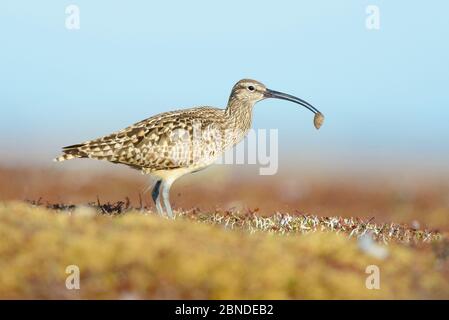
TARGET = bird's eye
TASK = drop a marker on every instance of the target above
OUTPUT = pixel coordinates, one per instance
(251, 88)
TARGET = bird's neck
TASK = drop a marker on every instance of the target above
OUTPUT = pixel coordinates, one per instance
(239, 114)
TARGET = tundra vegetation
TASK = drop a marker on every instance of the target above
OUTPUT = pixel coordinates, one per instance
(124, 253)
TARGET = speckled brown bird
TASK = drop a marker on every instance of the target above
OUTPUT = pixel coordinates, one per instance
(172, 144)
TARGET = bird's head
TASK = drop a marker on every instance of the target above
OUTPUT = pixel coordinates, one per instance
(252, 91)
(248, 90)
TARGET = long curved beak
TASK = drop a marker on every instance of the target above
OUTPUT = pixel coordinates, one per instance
(280, 95)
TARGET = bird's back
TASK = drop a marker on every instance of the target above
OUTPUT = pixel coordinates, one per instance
(170, 140)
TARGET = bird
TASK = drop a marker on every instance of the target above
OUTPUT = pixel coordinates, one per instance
(172, 144)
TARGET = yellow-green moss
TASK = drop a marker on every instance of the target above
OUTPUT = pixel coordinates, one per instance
(144, 256)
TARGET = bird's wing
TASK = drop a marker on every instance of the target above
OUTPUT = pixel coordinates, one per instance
(160, 142)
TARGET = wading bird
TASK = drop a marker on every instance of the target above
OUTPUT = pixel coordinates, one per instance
(172, 144)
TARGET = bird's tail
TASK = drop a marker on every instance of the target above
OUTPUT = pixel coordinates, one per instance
(65, 157)
(71, 152)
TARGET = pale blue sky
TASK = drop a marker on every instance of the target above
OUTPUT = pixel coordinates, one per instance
(383, 92)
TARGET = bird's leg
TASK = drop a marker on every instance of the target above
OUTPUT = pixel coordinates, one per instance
(156, 197)
(166, 198)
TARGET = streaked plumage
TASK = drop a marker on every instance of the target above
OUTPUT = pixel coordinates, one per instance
(150, 145)
(171, 144)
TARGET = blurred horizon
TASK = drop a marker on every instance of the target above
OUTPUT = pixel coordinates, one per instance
(383, 92)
